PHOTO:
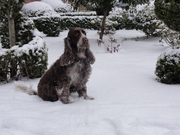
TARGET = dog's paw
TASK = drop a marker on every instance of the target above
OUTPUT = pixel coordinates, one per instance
(88, 98)
(65, 100)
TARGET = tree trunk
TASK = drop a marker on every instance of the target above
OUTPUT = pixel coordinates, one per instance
(12, 36)
(103, 25)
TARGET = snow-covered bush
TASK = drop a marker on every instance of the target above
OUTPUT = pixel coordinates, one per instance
(168, 36)
(4, 35)
(145, 20)
(34, 9)
(92, 13)
(168, 64)
(30, 60)
(51, 26)
(168, 67)
(45, 18)
(24, 27)
(59, 6)
(139, 18)
(23, 31)
(169, 12)
(29, 56)
(83, 22)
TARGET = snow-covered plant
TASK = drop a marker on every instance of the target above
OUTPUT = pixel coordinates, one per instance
(24, 27)
(145, 19)
(168, 64)
(83, 22)
(34, 9)
(29, 60)
(111, 47)
(141, 17)
(168, 36)
(23, 31)
(168, 67)
(9, 9)
(45, 18)
(109, 28)
(32, 58)
(169, 12)
(59, 6)
(90, 13)
(51, 26)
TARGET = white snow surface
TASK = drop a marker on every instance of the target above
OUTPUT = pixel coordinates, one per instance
(39, 8)
(35, 6)
(128, 99)
(55, 3)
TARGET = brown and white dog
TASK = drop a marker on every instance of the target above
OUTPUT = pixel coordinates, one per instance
(69, 73)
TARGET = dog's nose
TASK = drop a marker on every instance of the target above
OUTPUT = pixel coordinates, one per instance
(85, 40)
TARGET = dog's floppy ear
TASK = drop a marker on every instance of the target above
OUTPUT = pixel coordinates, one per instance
(67, 57)
(90, 57)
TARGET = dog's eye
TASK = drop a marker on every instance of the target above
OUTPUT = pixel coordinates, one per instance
(83, 32)
(77, 33)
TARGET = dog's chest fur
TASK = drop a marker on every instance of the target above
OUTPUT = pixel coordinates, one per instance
(75, 72)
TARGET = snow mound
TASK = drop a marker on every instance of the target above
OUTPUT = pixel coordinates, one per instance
(170, 53)
(38, 9)
(58, 5)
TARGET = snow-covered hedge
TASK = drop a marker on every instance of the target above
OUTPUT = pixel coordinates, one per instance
(68, 22)
(168, 36)
(92, 13)
(58, 5)
(141, 18)
(34, 9)
(169, 12)
(168, 67)
(30, 60)
(49, 25)
(23, 27)
(45, 18)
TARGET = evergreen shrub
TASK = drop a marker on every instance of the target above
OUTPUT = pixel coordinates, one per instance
(51, 26)
(92, 23)
(58, 5)
(23, 29)
(28, 58)
(29, 61)
(37, 8)
(140, 18)
(168, 36)
(79, 14)
(45, 18)
(169, 12)
(168, 67)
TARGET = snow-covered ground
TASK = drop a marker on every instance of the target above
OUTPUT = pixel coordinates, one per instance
(128, 99)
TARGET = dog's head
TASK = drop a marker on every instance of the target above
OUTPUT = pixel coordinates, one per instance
(77, 38)
(76, 46)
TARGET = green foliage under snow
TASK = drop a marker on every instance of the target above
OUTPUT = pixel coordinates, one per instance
(168, 67)
(28, 58)
(29, 61)
(169, 12)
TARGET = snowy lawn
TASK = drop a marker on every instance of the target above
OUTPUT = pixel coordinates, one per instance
(128, 99)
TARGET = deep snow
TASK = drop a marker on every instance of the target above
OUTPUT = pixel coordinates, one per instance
(128, 99)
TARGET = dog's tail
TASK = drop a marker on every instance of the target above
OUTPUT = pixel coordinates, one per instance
(21, 86)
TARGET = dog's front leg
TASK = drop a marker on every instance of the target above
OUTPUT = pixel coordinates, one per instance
(63, 94)
(83, 92)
